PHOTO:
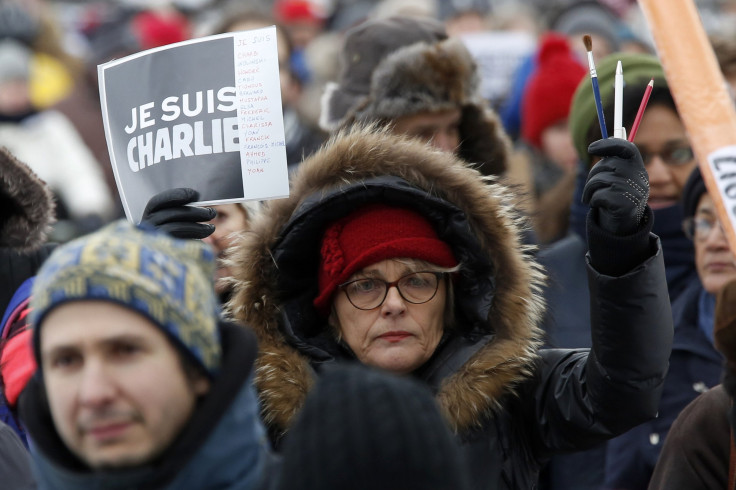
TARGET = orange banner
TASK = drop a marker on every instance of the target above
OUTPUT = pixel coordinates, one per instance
(702, 99)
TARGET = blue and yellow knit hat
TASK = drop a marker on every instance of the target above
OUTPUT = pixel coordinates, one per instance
(169, 281)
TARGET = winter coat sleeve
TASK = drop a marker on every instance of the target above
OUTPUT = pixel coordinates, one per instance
(585, 397)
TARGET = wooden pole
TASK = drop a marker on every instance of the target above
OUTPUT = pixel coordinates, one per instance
(702, 99)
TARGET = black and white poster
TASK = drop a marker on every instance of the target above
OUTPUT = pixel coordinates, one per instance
(204, 114)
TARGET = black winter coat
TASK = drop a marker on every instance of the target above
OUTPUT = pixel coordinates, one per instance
(511, 404)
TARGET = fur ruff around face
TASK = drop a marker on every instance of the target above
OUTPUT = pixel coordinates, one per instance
(26, 205)
(476, 390)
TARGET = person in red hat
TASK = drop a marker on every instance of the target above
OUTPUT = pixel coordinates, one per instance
(545, 107)
(400, 257)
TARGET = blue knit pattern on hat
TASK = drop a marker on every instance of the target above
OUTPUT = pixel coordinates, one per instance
(169, 281)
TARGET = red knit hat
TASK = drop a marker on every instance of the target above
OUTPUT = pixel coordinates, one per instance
(550, 89)
(156, 29)
(288, 11)
(372, 234)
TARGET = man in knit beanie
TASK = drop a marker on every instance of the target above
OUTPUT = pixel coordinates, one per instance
(382, 431)
(140, 384)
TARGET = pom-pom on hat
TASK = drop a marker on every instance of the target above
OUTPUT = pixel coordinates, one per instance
(549, 92)
(371, 234)
(167, 280)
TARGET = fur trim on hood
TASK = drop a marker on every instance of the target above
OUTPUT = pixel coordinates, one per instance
(425, 77)
(497, 302)
(26, 205)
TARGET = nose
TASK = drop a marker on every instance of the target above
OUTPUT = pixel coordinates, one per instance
(658, 172)
(96, 386)
(394, 304)
(716, 238)
(445, 141)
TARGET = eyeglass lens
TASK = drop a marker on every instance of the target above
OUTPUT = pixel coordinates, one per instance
(369, 293)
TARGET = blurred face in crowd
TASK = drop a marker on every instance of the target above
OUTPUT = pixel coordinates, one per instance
(116, 387)
(558, 147)
(398, 336)
(465, 23)
(15, 97)
(231, 219)
(667, 154)
(713, 257)
(441, 129)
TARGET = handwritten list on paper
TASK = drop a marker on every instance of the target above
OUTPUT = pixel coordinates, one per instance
(260, 120)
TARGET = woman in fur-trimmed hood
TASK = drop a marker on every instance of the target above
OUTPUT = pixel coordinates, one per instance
(318, 268)
(404, 72)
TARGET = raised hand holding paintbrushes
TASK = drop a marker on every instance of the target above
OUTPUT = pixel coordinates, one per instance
(618, 130)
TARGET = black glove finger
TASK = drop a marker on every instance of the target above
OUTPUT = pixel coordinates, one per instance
(600, 178)
(185, 214)
(170, 198)
(188, 214)
(613, 147)
(188, 230)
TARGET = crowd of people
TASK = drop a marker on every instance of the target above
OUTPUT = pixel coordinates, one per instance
(468, 287)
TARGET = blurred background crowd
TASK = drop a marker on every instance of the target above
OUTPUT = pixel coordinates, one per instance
(49, 103)
(533, 77)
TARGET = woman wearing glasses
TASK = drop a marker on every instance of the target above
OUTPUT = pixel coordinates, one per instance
(696, 451)
(402, 258)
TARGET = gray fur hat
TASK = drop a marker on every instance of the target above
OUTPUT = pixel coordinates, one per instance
(398, 66)
(27, 208)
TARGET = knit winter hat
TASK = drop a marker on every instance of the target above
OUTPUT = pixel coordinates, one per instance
(371, 234)
(169, 281)
(638, 70)
(589, 17)
(398, 66)
(550, 89)
(364, 429)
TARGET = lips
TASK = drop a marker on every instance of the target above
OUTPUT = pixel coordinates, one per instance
(395, 336)
(719, 266)
(661, 202)
(107, 431)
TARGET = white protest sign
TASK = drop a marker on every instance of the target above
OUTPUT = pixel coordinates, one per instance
(204, 113)
(722, 163)
(498, 55)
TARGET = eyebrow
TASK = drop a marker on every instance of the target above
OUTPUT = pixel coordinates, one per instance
(106, 342)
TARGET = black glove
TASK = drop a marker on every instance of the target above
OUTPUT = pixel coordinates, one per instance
(167, 211)
(618, 186)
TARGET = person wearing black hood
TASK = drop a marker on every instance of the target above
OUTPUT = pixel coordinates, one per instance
(399, 257)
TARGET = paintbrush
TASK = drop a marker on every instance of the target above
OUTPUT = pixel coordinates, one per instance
(594, 80)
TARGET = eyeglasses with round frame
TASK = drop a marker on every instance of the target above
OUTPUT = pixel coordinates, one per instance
(674, 154)
(369, 293)
(700, 228)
